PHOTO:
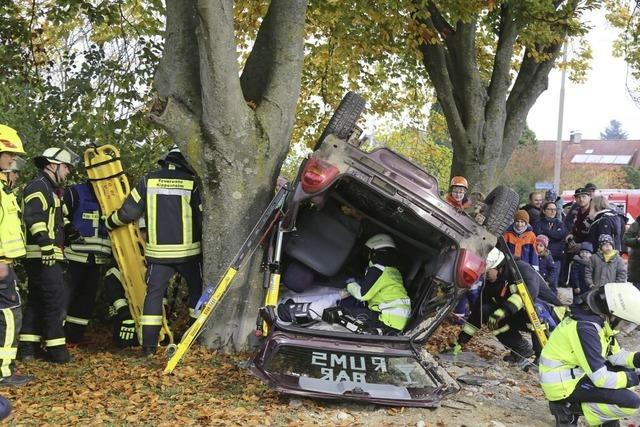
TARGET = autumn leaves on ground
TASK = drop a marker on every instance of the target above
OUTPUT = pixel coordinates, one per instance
(107, 386)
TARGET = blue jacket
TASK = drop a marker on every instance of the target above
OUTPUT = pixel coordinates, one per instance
(555, 230)
(548, 268)
(605, 222)
(576, 274)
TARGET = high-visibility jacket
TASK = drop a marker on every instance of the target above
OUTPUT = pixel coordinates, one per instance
(171, 200)
(581, 345)
(43, 217)
(384, 292)
(84, 210)
(11, 236)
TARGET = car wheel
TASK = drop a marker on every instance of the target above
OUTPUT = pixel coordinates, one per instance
(343, 121)
(500, 206)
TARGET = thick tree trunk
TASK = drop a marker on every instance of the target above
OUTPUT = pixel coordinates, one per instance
(236, 148)
(485, 123)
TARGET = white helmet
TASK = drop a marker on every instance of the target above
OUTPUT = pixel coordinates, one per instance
(57, 156)
(623, 300)
(380, 241)
(494, 258)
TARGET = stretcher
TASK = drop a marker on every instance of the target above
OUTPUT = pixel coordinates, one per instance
(111, 186)
(213, 295)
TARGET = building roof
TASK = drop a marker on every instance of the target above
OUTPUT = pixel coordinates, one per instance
(594, 152)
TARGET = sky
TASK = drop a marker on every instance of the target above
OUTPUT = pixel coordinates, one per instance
(590, 106)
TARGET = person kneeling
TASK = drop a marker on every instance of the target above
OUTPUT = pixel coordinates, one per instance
(583, 370)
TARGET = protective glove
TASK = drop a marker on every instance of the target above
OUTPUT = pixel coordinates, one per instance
(71, 234)
(354, 289)
(48, 255)
(496, 317)
(454, 349)
(127, 329)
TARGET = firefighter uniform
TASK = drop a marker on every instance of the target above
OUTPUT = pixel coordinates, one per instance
(44, 220)
(12, 246)
(502, 307)
(580, 365)
(170, 200)
(86, 256)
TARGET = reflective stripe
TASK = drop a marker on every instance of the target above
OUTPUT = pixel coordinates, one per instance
(395, 303)
(606, 379)
(38, 196)
(152, 215)
(560, 376)
(172, 251)
(501, 330)
(168, 192)
(622, 358)
(119, 303)
(550, 363)
(516, 300)
(55, 342)
(77, 320)
(150, 320)
(29, 338)
(183, 184)
(598, 413)
(402, 312)
(38, 227)
(114, 271)
(378, 266)
(116, 219)
(33, 251)
(192, 313)
(135, 195)
(8, 353)
(469, 329)
(187, 219)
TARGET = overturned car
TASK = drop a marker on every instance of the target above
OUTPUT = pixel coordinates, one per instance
(342, 197)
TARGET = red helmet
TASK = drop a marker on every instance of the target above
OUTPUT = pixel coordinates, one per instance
(459, 181)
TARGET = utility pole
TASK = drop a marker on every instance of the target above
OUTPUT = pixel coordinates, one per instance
(558, 154)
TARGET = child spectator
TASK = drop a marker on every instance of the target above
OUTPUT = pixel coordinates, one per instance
(606, 266)
(548, 268)
(521, 239)
(577, 269)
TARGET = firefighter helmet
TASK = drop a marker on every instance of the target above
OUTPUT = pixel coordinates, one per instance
(10, 141)
(494, 258)
(57, 156)
(619, 300)
(459, 181)
(380, 241)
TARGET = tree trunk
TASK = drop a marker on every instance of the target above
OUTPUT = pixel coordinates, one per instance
(485, 123)
(236, 146)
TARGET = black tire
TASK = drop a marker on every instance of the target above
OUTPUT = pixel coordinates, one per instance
(344, 119)
(501, 205)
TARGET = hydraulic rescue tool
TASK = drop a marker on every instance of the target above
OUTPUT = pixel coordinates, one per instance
(538, 327)
(111, 186)
(260, 230)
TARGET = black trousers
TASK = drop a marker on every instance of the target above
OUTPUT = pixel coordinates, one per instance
(10, 321)
(44, 312)
(83, 280)
(158, 276)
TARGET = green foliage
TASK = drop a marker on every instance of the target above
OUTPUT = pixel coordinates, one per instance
(632, 176)
(528, 137)
(614, 131)
(76, 73)
(625, 16)
(419, 147)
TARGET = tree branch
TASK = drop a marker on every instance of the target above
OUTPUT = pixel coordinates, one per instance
(271, 76)
(223, 108)
(500, 78)
(177, 75)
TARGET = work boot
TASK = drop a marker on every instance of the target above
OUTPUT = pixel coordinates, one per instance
(58, 354)
(16, 380)
(564, 414)
(27, 351)
(149, 351)
(519, 357)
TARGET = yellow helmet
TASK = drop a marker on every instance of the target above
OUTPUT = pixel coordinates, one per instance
(10, 141)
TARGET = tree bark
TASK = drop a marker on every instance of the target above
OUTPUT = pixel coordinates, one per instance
(237, 147)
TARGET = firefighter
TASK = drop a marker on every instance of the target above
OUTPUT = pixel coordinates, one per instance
(124, 328)
(501, 308)
(13, 172)
(44, 221)
(583, 370)
(11, 247)
(170, 200)
(87, 250)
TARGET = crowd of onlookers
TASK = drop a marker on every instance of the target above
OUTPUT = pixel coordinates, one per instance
(579, 244)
